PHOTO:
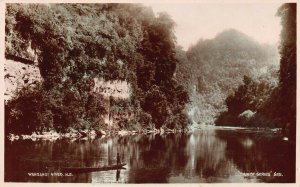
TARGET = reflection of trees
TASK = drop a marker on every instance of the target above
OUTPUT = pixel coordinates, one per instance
(150, 158)
(260, 152)
(157, 157)
(206, 154)
(41, 156)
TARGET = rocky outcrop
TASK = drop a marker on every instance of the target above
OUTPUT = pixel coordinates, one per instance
(17, 75)
(21, 72)
(116, 89)
(113, 90)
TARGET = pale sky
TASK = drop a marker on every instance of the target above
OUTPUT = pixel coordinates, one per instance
(196, 21)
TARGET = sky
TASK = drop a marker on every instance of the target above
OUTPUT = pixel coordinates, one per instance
(205, 21)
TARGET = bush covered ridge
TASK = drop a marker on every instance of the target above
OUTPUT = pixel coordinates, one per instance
(248, 98)
(274, 106)
(214, 68)
(76, 43)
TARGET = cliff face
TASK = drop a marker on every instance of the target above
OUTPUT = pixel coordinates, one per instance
(18, 75)
(114, 91)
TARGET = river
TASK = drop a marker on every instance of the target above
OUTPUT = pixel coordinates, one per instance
(203, 156)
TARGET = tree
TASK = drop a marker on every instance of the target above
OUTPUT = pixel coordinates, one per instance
(287, 76)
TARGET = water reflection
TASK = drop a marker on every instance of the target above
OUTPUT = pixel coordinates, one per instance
(261, 152)
(202, 156)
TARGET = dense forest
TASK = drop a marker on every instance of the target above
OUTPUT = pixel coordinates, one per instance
(260, 104)
(229, 80)
(212, 69)
(75, 43)
(232, 80)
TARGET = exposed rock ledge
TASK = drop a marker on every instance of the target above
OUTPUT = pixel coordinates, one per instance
(17, 75)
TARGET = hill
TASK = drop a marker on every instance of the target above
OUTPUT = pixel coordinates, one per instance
(79, 45)
(213, 68)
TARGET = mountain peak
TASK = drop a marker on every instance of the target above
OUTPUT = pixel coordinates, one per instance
(234, 35)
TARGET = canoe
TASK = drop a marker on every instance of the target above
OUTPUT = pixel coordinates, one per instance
(92, 169)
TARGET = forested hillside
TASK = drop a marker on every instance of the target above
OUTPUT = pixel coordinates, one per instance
(269, 106)
(213, 68)
(76, 43)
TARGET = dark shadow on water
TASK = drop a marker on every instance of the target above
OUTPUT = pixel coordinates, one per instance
(261, 152)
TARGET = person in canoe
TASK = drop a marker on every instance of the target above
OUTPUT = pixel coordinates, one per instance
(118, 171)
(118, 159)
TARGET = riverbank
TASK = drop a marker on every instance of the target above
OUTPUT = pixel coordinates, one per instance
(204, 126)
(74, 135)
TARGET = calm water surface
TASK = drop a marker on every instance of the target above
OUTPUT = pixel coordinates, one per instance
(204, 156)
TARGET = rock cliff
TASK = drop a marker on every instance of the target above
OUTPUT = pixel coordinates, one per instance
(17, 75)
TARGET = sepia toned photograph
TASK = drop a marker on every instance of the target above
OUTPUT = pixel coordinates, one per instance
(150, 92)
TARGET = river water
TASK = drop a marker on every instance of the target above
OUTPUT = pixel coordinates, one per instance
(204, 156)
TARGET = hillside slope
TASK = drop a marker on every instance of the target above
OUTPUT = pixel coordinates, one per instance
(76, 44)
(213, 68)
